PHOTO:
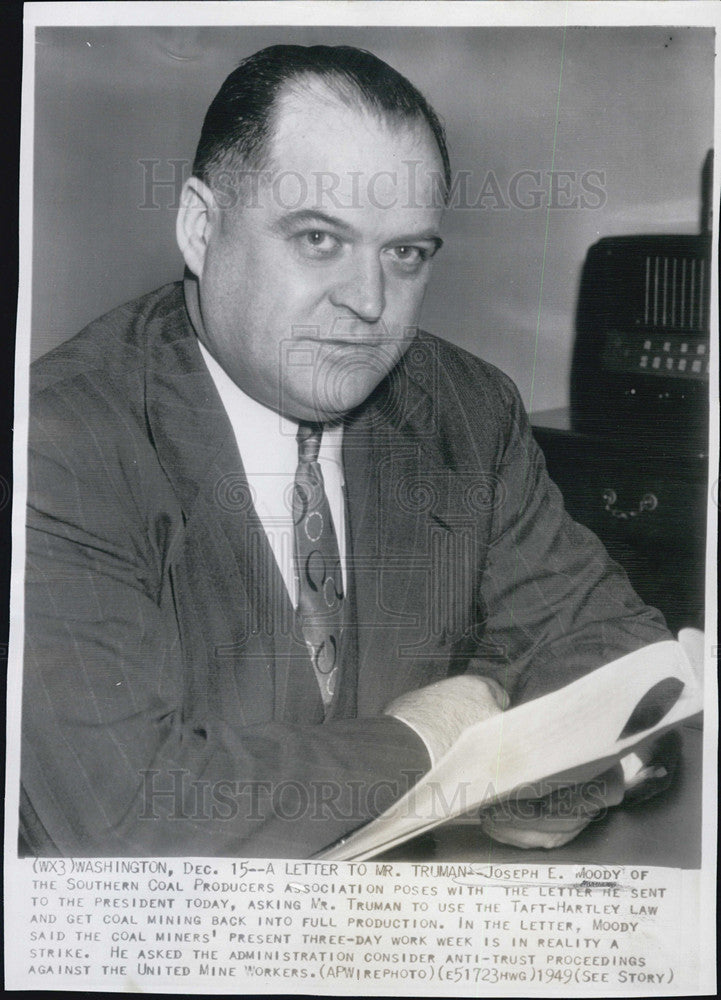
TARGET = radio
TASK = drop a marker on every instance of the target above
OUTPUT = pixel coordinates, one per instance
(641, 357)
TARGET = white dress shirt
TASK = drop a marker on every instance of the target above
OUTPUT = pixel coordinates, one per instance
(269, 453)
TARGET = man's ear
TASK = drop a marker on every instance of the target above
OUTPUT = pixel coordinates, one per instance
(197, 216)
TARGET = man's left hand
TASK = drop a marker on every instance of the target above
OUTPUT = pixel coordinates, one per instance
(554, 819)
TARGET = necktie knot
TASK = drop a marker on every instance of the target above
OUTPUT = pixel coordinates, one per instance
(308, 438)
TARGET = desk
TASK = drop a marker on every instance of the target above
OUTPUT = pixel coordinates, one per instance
(643, 492)
(664, 831)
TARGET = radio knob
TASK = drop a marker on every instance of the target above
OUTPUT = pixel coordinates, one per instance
(649, 502)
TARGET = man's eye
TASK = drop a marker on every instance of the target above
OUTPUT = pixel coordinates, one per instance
(408, 253)
(319, 242)
(409, 257)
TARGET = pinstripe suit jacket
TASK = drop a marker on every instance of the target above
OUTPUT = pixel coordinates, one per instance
(168, 705)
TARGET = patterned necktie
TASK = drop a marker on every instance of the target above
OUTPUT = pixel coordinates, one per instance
(317, 564)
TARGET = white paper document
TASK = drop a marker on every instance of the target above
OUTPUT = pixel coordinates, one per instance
(576, 731)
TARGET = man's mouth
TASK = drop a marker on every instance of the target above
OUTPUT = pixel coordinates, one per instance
(389, 344)
(348, 342)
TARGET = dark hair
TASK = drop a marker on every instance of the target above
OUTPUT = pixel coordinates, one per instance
(238, 123)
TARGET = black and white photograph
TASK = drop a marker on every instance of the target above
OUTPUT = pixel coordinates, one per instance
(366, 482)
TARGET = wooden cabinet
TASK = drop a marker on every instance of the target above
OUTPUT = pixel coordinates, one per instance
(644, 495)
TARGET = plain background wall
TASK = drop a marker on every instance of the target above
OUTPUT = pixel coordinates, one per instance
(634, 104)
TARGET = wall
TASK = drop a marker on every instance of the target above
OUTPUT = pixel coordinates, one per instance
(634, 105)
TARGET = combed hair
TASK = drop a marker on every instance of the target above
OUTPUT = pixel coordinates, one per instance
(238, 124)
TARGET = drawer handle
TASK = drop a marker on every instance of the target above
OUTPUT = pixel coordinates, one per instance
(646, 504)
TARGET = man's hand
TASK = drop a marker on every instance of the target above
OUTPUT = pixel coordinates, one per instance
(554, 819)
(440, 712)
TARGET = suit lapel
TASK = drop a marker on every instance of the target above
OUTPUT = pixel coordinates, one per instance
(414, 546)
(243, 632)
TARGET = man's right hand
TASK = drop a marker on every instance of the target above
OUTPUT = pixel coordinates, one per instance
(440, 712)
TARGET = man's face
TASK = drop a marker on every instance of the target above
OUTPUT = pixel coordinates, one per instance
(310, 290)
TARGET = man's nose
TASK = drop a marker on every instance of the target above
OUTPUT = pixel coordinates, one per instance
(362, 288)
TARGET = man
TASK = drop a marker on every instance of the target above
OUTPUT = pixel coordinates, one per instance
(283, 548)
